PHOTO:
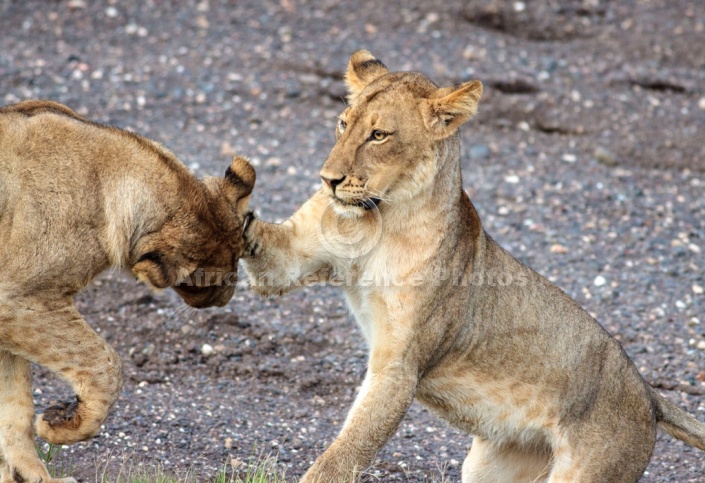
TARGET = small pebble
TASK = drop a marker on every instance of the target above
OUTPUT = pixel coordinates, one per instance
(605, 156)
(698, 289)
(207, 349)
(558, 248)
(226, 149)
(511, 179)
(569, 158)
(701, 345)
(76, 4)
(599, 281)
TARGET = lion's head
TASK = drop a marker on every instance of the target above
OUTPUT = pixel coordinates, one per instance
(389, 136)
(196, 252)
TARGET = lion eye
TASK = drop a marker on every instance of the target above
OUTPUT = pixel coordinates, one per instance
(378, 135)
(342, 125)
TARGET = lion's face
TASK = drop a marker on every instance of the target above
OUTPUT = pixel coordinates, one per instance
(212, 283)
(197, 251)
(388, 137)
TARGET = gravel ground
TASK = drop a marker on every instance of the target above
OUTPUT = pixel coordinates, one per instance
(587, 161)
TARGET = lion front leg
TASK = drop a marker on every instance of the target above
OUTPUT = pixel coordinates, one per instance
(55, 336)
(18, 457)
(384, 399)
(279, 258)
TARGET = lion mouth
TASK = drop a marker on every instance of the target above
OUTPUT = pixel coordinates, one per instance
(366, 204)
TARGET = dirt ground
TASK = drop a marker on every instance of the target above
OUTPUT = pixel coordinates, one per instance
(587, 162)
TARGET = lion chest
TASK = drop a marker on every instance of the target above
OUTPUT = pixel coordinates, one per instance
(384, 304)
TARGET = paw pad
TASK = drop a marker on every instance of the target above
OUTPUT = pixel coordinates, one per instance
(61, 413)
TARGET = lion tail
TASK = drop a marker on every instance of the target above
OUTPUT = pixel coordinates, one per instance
(678, 423)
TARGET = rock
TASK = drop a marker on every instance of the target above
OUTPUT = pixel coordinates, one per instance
(701, 345)
(292, 88)
(207, 349)
(698, 289)
(599, 281)
(558, 248)
(76, 4)
(226, 149)
(605, 156)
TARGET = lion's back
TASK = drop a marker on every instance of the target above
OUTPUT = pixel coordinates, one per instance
(53, 165)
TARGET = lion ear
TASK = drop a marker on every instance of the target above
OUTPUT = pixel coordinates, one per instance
(240, 180)
(451, 107)
(363, 68)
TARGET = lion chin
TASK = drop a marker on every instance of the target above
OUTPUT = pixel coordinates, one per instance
(354, 208)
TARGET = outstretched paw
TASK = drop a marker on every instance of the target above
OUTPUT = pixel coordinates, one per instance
(252, 246)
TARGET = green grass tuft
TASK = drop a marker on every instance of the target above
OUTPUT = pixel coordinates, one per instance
(58, 467)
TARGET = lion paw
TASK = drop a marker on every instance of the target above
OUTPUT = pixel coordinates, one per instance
(67, 422)
(28, 469)
(61, 414)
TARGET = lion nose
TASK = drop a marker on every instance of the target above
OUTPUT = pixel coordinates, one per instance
(333, 183)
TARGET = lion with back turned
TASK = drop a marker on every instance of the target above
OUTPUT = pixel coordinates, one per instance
(77, 198)
(449, 316)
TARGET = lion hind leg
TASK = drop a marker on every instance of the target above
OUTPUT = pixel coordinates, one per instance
(487, 463)
(59, 339)
(18, 457)
(604, 462)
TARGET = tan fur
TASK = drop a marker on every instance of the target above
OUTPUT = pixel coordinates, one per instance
(77, 198)
(450, 317)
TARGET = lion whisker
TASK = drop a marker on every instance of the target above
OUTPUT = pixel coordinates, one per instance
(379, 195)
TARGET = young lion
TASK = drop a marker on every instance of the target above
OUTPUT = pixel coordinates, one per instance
(546, 392)
(77, 198)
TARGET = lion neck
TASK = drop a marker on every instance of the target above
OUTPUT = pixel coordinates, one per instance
(437, 203)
